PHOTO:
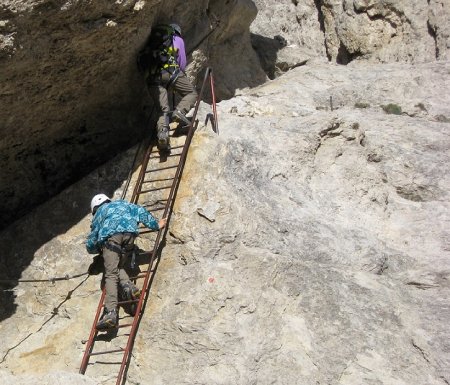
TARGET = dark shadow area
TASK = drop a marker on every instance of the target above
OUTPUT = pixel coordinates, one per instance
(41, 168)
(432, 32)
(267, 50)
(318, 4)
(42, 224)
(344, 56)
(321, 19)
(181, 130)
(71, 99)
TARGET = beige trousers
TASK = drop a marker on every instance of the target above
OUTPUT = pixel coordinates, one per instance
(115, 266)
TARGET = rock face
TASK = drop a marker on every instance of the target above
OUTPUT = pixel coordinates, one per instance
(343, 31)
(309, 244)
(310, 240)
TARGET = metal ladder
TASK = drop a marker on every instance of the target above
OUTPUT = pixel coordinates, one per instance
(161, 182)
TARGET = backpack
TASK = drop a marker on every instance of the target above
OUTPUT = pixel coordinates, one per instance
(159, 52)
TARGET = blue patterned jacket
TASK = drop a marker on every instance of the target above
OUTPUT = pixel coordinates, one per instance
(117, 217)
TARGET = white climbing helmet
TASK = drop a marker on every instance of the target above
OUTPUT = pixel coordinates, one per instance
(98, 200)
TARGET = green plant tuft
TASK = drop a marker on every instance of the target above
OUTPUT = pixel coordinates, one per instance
(393, 109)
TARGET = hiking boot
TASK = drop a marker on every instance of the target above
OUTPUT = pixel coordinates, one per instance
(129, 292)
(164, 145)
(163, 139)
(180, 117)
(109, 320)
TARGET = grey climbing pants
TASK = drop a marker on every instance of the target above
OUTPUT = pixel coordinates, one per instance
(114, 262)
(160, 95)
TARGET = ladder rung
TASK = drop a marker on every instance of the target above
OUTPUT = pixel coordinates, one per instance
(155, 209)
(172, 155)
(142, 227)
(148, 231)
(142, 275)
(128, 301)
(161, 169)
(154, 189)
(158, 180)
(107, 351)
(156, 202)
(159, 202)
(169, 155)
(124, 325)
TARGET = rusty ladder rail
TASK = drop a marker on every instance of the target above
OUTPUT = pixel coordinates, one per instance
(148, 275)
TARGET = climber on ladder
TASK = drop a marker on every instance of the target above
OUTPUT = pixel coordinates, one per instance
(163, 62)
(113, 231)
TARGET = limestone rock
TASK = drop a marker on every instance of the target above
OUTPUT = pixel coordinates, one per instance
(322, 255)
(381, 31)
(309, 241)
(287, 34)
(48, 379)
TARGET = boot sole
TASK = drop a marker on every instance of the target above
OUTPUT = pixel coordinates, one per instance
(106, 325)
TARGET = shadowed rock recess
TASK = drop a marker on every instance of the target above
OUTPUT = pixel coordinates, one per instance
(70, 95)
(309, 242)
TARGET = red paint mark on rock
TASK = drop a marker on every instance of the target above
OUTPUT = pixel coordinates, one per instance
(211, 279)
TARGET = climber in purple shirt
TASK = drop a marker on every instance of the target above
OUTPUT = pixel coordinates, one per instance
(171, 78)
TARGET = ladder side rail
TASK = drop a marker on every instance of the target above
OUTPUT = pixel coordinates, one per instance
(200, 94)
(137, 187)
(178, 173)
(161, 236)
(90, 342)
(127, 184)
